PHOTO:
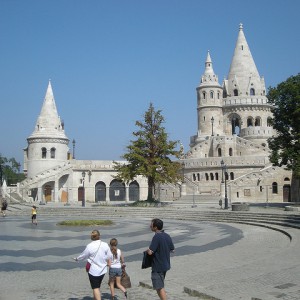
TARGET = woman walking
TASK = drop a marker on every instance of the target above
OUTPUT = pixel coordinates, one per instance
(98, 256)
(115, 270)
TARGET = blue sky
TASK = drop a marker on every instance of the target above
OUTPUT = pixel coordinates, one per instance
(107, 60)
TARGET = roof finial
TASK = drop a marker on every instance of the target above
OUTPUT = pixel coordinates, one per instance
(241, 26)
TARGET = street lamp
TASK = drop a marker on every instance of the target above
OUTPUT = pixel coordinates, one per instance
(212, 126)
(83, 199)
(224, 169)
(74, 142)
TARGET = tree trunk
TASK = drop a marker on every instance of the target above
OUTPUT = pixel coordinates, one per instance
(150, 189)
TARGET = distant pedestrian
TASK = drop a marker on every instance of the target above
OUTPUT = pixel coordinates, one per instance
(33, 215)
(160, 247)
(98, 256)
(3, 207)
(115, 269)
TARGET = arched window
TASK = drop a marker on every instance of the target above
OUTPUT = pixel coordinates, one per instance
(218, 95)
(252, 91)
(217, 176)
(52, 153)
(269, 122)
(226, 175)
(204, 95)
(219, 152)
(249, 122)
(211, 95)
(257, 121)
(198, 176)
(231, 176)
(211, 176)
(235, 92)
(194, 177)
(230, 151)
(206, 177)
(44, 152)
(274, 188)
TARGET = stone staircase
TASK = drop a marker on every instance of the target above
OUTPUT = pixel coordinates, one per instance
(272, 218)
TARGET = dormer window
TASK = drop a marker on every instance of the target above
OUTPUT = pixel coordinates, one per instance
(252, 92)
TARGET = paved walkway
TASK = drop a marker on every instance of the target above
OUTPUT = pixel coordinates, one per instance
(212, 260)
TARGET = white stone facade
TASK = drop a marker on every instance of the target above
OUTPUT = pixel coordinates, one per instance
(233, 126)
(53, 175)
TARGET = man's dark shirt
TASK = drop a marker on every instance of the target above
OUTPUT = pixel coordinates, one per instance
(161, 246)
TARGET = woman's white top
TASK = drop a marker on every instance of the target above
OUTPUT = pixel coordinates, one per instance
(97, 256)
(116, 261)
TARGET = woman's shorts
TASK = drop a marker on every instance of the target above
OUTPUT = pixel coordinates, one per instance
(95, 281)
(158, 280)
(33, 217)
(115, 272)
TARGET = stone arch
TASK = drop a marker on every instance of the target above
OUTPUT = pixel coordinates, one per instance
(100, 191)
(257, 121)
(117, 191)
(134, 191)
(249, 121)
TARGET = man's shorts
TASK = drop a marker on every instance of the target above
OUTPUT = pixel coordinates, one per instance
(158, 280)
(95, 281)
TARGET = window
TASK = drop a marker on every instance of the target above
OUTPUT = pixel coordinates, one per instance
(198, 176)
(230, 151)
(211, 176)
(257, 121)
(219, 152)
(252, 91)
(52, 153)
(231, 176)
(44, 152)
(206, 177)
(269, 122)
(211, 95)
(235, 92)
(274, 188)
(249, 122)
(217, 176)
(204, 95)
(194, 177)
(218, 95)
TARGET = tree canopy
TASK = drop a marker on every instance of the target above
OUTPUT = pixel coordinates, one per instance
(285, 145)
(150, 153)
(10, 170)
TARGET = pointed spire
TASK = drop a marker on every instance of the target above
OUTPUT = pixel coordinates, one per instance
(209, 77)
(48, 122)
(243, 73)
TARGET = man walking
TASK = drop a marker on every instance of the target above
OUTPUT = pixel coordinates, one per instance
(160, 247)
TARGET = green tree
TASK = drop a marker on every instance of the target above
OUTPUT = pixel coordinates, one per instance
(150, 154)
(285, 145)
(10, 170)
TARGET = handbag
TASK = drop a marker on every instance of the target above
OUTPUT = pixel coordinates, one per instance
(88, 264)
(125, 279)
(147, 260)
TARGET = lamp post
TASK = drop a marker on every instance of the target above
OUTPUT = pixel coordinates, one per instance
(224, 169)
(74, 142)
(212, 126)
(83, 198)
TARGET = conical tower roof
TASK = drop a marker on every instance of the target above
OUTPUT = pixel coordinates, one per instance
(48, 123)
(243, 74)
(209, 77)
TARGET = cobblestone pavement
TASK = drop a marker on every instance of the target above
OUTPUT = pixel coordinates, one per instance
(212, 260)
